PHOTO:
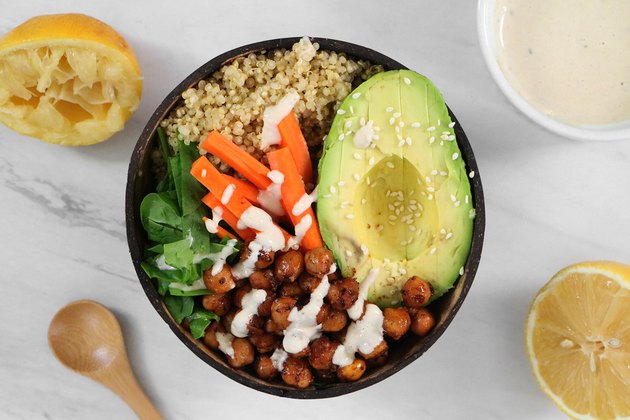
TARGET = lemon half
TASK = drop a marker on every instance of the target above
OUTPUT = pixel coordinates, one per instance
(578, 340)
(68, 79)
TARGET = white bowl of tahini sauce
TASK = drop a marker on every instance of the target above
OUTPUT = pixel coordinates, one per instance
(564, 63)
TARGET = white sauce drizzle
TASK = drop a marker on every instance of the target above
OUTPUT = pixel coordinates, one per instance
(272, 117)
(363, 335)
(364, 135)
(220, 257)
(278, 358)
(160, 262)
(225, 343)
(212, 223)
(250, 303)
(244, 269)
(300, 231)
(356, 310)
(196, 285)
(271, 198)
(227, 194)
(269, 236)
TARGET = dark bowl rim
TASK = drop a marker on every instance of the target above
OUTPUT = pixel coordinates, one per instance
(132, 219)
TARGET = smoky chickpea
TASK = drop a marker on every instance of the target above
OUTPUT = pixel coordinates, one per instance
(243, 353)
(416, 292)
(222, 282)
(352, 372)
(288, 266)
(219, 304)
(210, 336)
(264, 367)
(263, 280)
(280, 310)
(335, 321)
(226, 320)
(343, 293)
(422, 322)
(322, 352)
(380, 349)
(318, 261)
(264, 342)
(264, 309)
(309, 282)
(239, 294)
(265, 257)
(396, 322)
(296, 372)
(292, 290)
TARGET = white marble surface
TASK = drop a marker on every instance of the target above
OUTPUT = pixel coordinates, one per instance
(550, 202)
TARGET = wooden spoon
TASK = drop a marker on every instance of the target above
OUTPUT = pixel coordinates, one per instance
(86, 337)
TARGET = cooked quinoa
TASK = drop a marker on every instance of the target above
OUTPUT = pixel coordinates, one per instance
(233, 99)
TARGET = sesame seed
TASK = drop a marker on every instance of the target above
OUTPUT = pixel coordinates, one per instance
(396, 114)
(362, 121)
(386, 261)
(391, 207)
(357, 156)
(457, 203)
(390, 165)
(407, 81)
(432, 140)
(466, 199)
(341, 183)
(351, 109)
(430, 197)
(428, 179)
(430, 129)
(397, 211)
(401, 143)
(349, 253)
(372, 146)
(397, 129)
(471, 174)
(368, 181)
(373, 185)
(461, 270)
(397, 203)
(363, 201)
(434, 172)
(364, 249)
(380, 228)
(413, 202)
(453, 198)
(409, 221)
(451, 125)
(412, 228)
(446, 133)
(375, 137)
(392, 121)
(433, 250)
(350, 216)
(402, 271)
(348, 124)
(444, 136)
(343, 205)
(448, 236)
(442, 143)
(442, 231)
(203, 173)
(333, 189)
(356, 95)
(408, 141)
(415, 125)
(430, 189)
(455, 155)
(341, 137)
(341, 112)
(371, 161)
(391, 223)
(401, 124)
(389, 109)
(376, 128)
(443, 173)
(392, 217)
(403, 243)
(356, 177)
(439, 122)
(451, 138)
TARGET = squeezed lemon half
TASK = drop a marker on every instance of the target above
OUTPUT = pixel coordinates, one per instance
(577, 336)
(67, 79)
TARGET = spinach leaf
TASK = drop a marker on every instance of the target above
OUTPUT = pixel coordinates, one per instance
(199, 321)
(190, 191)
(160, 218)
(178, 292)
(165, 184)
(178, 254)
(180, 307)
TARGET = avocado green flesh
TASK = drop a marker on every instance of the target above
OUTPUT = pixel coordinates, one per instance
(403, 208)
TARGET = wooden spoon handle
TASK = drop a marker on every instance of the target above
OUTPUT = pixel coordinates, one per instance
(120, 379)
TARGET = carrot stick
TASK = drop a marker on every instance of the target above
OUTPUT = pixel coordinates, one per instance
(249, 191)
(221, 231)
(213, 202)
(237, 158)
(292, 191)
(293, 139)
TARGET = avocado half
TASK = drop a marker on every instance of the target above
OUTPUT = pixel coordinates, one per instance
(394, 193)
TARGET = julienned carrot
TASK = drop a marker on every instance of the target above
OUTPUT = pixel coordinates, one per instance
(213, 202)
(237, 158)
(247, 189)
(221, 232)
(212, 179)
(292, 191)
(293, 139)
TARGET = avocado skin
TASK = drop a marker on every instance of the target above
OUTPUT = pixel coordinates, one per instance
(403, 204)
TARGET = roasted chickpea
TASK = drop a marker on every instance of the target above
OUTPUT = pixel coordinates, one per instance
(222, 282)
(323, 313)
(309, 282)
(264, 309)
(353, 371)
(377, 361)
(318, 261)
(422, 322)
(322, 352)
(210, 336)
(296, 372)
(226, 320)
(379, 350)
(396, 322)
(256, 325)
(272, 327)
(219, 304)
(243, 353)
(263, 280)
(343, 293)
(239, 294)
(292, 290)
(265, 257)
(305, 352)
(288, 266)
(335, 321)
(280, 309)
(264, 367)
(416, 292)
(264, 342)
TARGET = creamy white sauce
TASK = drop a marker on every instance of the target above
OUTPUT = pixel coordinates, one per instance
(268, 235)
(362, 335)
(304, 327)
(355, 311)
(278, 358)
(219, 258)
(300, 231)
(249, 307)
(271, 197)
(244, 269)
(569, 60)
(196, 285)
(212, 223)
(272, 117)
(227, 194)
(225, 343)
(364, 135)
(160, 262)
